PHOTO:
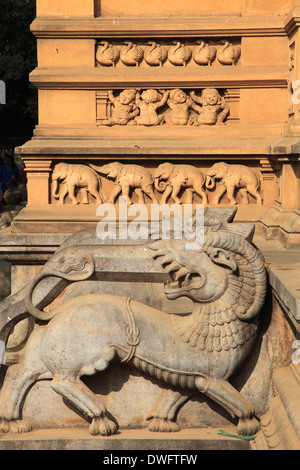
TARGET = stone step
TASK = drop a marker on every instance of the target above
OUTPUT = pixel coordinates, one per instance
(125, 440)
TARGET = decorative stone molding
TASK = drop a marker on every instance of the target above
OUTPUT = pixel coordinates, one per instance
(210, 27)
(180, 53)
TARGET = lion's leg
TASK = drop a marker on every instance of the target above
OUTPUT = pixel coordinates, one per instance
(76, 392)
(17, 381)
(163, 412)
(231, 400)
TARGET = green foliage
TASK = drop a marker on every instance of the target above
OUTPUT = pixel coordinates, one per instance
(18, 57)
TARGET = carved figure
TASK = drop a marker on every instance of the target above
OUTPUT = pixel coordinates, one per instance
(229, 54)
(179, 54)
(155, 54)
(172, 178)
(124, 108)
(131, 54)
(108, 54)
(195, 353)
(149, 102)
(128, 177)
(214, 108)
(233, 178)
(204, 54)
(72, 177)
(180, 106)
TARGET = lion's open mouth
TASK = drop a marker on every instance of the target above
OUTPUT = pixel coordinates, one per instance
(183, 280)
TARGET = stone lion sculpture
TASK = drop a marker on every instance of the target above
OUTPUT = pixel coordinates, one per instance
(195, 353)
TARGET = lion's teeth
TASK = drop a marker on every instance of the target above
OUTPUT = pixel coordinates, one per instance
(181, 272)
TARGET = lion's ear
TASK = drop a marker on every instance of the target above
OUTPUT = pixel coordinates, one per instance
(223, 258)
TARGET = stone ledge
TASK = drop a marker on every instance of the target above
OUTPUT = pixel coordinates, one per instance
(110, 144)
(134, 439)
(169, 26)
(283, 268)
(100, 78)
(280, 425)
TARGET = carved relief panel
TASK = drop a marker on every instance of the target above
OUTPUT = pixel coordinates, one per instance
(221, 183)
(151, 107)
(177, 53)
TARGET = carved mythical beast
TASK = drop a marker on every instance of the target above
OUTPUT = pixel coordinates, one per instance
(194, 353)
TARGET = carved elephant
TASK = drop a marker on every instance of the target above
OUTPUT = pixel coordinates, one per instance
(73, 176)
(128, 177)
(233, 178)
(172, 178)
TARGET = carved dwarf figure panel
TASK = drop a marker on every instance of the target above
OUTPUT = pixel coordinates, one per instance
(195, 353)
(172, 107)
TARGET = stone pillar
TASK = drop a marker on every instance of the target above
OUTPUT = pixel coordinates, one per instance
(38, 185)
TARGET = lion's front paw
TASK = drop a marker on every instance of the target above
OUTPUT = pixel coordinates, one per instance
(14, 426)
(247, 426)
(163, 425)
(103, 426)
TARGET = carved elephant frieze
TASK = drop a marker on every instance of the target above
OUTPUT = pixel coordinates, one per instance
(172, 178)
(177, 182)
(233, 178)
(75, 176)
(126, 178)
